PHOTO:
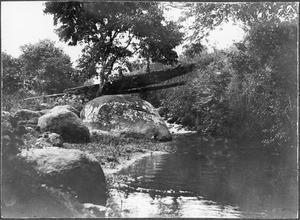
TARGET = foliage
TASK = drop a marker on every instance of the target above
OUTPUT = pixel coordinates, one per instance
(201, 103)
(264, 87)
(47, 69)
(193, 49)
(12, 74)
(208, 16)
(248, 92)
(115, 31)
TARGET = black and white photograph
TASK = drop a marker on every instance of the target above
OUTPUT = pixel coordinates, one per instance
(149, 109)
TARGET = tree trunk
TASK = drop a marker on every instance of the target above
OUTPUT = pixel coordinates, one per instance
(148, 65)
(102, 81)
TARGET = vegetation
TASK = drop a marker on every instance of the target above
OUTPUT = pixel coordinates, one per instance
(208, 16)
(42, 68)
(247, 92)
(245, 95)
(112, 32)
(47, 68)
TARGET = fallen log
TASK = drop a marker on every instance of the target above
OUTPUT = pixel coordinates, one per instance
(150, 88)
(147, 79)
(135, 81)
(130, 84)
(129, 91)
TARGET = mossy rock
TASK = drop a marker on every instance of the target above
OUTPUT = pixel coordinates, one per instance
(125, 115)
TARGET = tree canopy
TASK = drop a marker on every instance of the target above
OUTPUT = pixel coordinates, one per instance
(112, 32)
(208, 16)
(46, 68)
(12, 77)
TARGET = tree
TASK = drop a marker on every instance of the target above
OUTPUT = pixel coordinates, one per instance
(263, 89)
(115, 31)
(12, 77)
(47, 68)
(208, 16)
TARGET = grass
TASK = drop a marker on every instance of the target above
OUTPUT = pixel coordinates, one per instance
(110, 151)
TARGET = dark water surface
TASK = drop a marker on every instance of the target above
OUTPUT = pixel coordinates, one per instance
(203, 179)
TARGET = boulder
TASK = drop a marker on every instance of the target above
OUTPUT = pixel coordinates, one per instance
(26, 116)
(66, 123)
(5, 115)
(49, 139)
(24, 195)
(124, 115)
(69, 169)
(55, 139)
(60, 107)
(68, 107)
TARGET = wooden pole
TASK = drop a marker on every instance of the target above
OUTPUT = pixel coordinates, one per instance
(45, 96)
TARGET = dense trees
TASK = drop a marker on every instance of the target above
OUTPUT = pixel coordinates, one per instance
(112, 32)
(47, 68)
(41, 68)
(249, 91)
(263, 91)
(12, 77)
(208, 16)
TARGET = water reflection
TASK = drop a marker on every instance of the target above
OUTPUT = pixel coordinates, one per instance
(196, 181)
(141, 205)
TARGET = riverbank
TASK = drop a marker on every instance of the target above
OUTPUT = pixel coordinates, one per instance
(116, 153)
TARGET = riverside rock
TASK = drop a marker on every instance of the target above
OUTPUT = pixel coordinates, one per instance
(124, 115)
(69, 169)
(62, 121)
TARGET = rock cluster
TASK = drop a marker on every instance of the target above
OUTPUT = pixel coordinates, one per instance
(115, 115)
(45, 179)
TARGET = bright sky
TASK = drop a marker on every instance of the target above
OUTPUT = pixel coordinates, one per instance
(24, 22)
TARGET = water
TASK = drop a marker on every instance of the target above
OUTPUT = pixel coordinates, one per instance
(203, 179)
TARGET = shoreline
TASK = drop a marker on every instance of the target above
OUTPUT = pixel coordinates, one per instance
(158, 148)
(124, 163)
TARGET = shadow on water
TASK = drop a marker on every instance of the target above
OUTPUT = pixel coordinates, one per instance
(208, 179)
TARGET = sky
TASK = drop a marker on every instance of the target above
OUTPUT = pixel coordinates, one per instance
(24, 22)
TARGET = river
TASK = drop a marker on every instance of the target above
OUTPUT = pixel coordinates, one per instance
(207, 179)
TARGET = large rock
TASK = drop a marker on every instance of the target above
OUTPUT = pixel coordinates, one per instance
(69, 169)
(62, 121)
(26, 116)
(68, 107)
(124, 115)
(23, 196)
(49, 139)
